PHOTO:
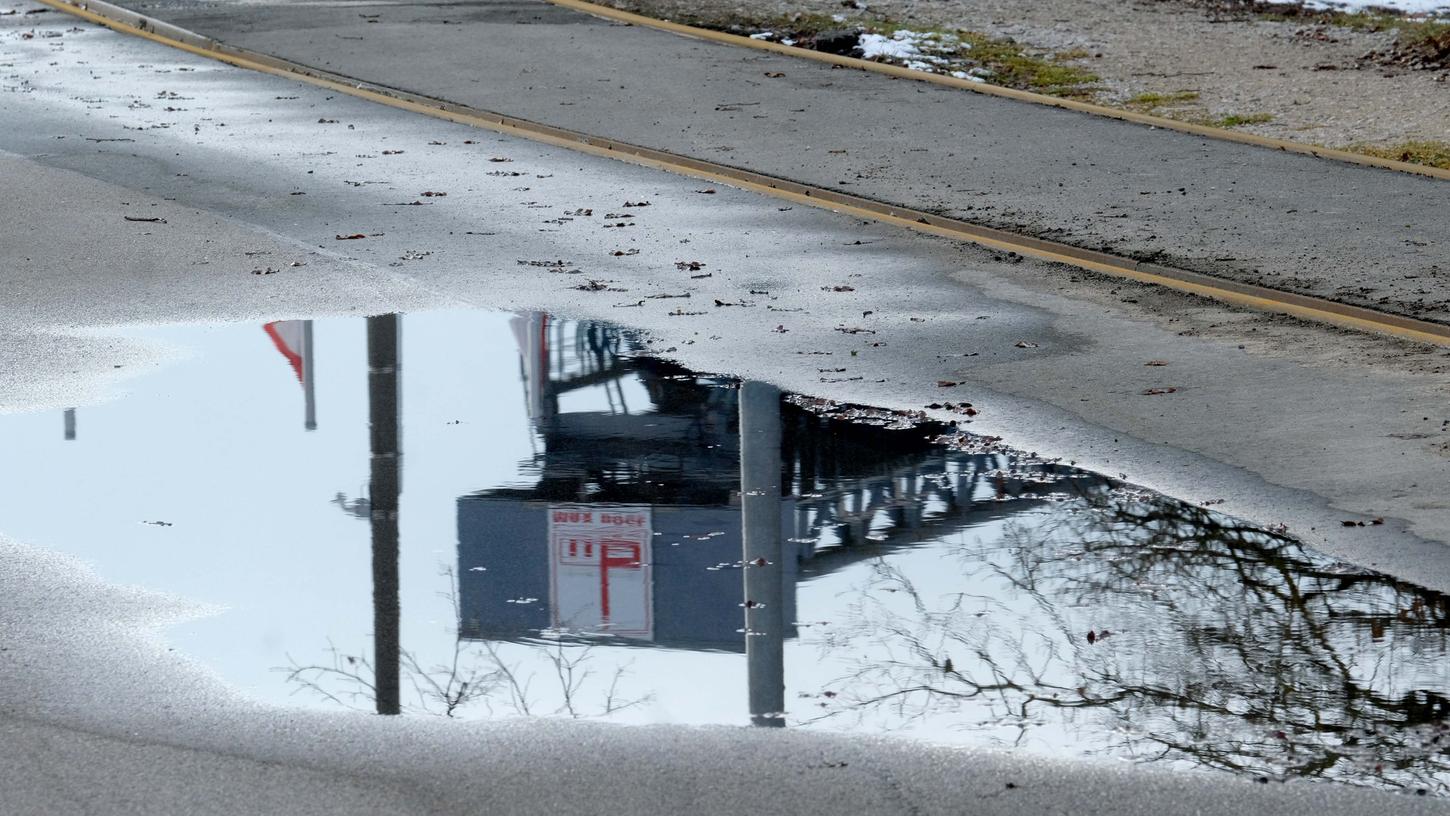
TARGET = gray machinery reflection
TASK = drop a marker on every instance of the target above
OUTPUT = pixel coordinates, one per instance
(654, 484)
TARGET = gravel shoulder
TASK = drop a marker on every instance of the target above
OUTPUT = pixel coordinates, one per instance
(1310, 79)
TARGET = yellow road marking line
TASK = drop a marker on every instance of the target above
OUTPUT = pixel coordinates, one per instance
(1227, 291)
(997, 90)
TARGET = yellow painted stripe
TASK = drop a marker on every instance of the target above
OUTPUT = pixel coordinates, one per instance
(1227, 291)
(989, 89)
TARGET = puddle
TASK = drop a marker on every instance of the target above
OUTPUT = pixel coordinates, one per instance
(546, 521)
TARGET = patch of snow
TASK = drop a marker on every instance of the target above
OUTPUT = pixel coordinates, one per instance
(920, 51)
(763, 35)
(900, 45)
(967, 76)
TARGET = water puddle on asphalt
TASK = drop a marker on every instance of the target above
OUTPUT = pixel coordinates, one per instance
(490, 515)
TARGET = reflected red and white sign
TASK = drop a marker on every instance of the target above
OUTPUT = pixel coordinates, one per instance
(599, 570)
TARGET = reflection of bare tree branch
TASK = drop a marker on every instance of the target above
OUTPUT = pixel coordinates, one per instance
(1212, 643)
(351, 671)
(476, 673)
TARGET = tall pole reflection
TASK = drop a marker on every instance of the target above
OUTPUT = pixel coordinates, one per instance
(385, 485)
(309, 380)
(763, 552)
(70, 424)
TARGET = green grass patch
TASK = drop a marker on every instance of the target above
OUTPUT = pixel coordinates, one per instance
(1011, 64)
(1426, 41)
(1237, 119)
(800, 24)
(1014, 67)
(1428, 153)
(1232, 120)
(1410, 30)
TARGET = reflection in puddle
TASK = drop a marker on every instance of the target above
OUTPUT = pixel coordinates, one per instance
(589, 531)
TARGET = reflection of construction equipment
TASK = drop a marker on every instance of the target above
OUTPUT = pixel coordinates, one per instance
(560, 356)
(359, 506)
(845, 491)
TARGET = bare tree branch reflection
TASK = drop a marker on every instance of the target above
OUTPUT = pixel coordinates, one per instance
(478, 675)
(1151, 629)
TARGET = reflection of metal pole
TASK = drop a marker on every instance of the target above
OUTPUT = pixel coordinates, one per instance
(309, 395)
(70, 423)
(384, 376)
(764, 553)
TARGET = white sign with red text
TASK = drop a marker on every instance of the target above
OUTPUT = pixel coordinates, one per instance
(599, 570)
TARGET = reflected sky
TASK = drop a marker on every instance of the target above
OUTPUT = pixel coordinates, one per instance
(587, 531)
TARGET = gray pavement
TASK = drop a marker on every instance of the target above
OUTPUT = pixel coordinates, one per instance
(111, 722)
(1359, 235)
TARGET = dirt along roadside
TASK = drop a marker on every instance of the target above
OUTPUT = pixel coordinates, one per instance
(1376, 82)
